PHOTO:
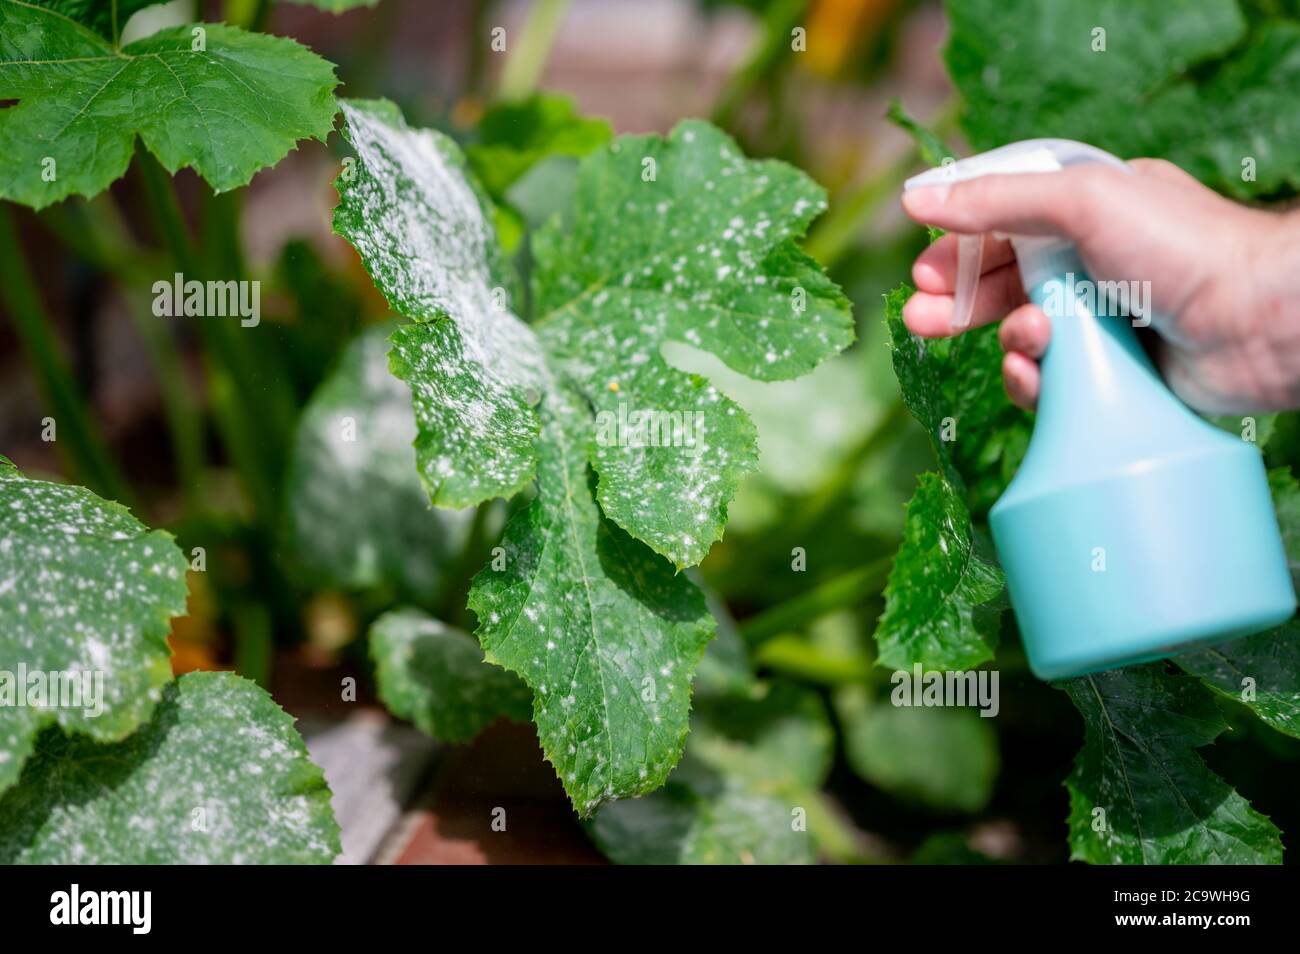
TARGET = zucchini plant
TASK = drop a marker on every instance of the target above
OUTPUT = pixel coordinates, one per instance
(1204, 96)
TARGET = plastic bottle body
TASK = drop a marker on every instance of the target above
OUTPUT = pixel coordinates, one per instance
(1133, 529)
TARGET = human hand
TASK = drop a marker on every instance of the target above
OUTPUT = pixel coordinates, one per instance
(1225, 278)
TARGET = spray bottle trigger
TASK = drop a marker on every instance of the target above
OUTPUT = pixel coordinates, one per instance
(970, 263)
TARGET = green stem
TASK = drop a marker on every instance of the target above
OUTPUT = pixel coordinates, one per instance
(93, 233)
(835, 232)
(78, 439)
(232, 385)
(523, 68)
(254, 646)
(847, 589)
(452, 601)
(771, 48)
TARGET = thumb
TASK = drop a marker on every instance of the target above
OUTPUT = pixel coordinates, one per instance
(1041, 203)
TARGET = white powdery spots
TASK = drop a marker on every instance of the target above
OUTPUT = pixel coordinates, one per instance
(702, 255)
(219, 776)
(87, 589)
(475, 370)
(586, 615)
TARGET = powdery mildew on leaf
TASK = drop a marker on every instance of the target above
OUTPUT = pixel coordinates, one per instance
(1268, 664)
(218, 776)
(605, 633)
(702, 252)
(953, 387)
(84, 588)
(227, 110)
(358, 513)
(475, 370)
(1161, 803)
(942, 600)
(435, 675)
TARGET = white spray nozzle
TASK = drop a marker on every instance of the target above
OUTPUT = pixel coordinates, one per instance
(1031, 155)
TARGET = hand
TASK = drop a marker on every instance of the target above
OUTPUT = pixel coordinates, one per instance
(1225, 278)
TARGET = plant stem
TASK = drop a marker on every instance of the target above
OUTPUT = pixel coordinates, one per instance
(230, 382)
(90, 230)
(771, 48)
(79, 442)
(835, 233)
(523, 69)
(847, 589)
(456, 589)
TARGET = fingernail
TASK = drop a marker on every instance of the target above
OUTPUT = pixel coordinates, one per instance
(927, 200)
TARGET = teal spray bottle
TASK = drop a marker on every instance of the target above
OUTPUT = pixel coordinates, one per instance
(1133, 530)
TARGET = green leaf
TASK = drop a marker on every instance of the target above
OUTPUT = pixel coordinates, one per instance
(475, 370)
(1158, 802)
(358, 515)
(751, 763)
(227, 110)
(515, 136)
(84, 588)
(778, 741)
(681, 239)
(218, 776)
(710, 822)
(602, 630)
(944, 758)
(106, 19)
(942, 601)
(435, 676)
(1286, 501)
(1183, 80)
(953, 387)
(1260, 671)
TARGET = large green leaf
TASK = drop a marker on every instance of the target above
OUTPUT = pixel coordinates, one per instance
(944, 758)
(1261, 671)
(605, 633)
(681, 239)
(84, 588)
(105, 18)
(943, 599)
(234, 106)
(1184, 80)
(751, 771)
(515, 136)
(358, 515)
(424, 235)
(1286, 501)
(600, 628)
(218, 776)
(1139, 793)
(435, 676)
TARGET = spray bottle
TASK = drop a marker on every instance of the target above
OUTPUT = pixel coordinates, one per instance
(1134, 529)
